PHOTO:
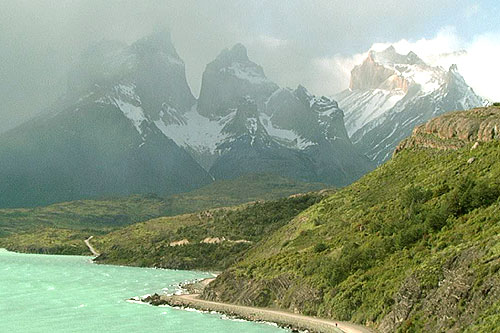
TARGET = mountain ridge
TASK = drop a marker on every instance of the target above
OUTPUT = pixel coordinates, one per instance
(390, 93)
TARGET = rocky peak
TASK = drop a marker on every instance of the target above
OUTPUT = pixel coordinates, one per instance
(238, 53)
(453, 68)
(455, 130)
(245, 120)
(228, 79)
(389, 70)
(149, 72)
(391, 56)
(160, 41)
(370, 74)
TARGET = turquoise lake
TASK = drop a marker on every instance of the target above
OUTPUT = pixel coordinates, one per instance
(41, 293)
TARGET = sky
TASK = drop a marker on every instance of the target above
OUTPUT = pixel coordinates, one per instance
(310, 42)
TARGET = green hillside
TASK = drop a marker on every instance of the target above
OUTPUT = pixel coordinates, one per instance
(95, 215)
(61, 228)
(211, 239)
(247, 188)
(413, 246)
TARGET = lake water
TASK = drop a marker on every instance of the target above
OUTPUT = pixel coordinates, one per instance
(41, 293)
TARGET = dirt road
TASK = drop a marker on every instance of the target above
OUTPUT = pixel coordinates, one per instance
(91, 248)
(282, 318)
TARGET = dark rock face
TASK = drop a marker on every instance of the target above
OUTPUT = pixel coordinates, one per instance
(228, 79)
(249, 148)
(161, 75)
(89, 151)
(323, 154)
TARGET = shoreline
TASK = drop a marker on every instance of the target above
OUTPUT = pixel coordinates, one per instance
(287, 320)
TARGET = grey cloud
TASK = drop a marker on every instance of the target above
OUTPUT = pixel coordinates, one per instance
(40, 40)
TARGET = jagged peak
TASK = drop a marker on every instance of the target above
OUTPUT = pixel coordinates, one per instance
(453, 68)
(391, 56)
(413, 58)
(237, 53)
(158, 41)
(302, 93)
(245, 120)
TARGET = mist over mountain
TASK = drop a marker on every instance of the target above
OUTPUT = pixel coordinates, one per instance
(129, 123)
(321, 166)
(100, 138)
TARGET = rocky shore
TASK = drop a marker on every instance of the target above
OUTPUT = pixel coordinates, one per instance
(291, 321)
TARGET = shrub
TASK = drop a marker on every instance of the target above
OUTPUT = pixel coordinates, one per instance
(414, 197)
(436, 218)
(470, 195)
(320, 247)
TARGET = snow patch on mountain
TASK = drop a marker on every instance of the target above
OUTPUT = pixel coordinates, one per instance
(365, 106)
(246, 73)
(125, 98)
(391, 93)
(285, 136)
(196, 131)
(133, 112)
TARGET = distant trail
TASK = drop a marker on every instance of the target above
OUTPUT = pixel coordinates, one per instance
(91, 248)
(277, 316)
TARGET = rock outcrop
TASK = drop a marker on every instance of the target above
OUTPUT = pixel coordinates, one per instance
(455, 130)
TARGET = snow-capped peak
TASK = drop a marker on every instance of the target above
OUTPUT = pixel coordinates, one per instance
(235, 62)
(390, 93)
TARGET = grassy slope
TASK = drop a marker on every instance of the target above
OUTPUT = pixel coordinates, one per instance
(60, 228)
(148, 243)
(248, 188)
(96, 215)
(412, 246)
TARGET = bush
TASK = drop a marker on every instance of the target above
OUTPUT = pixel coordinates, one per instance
(409, 236)
(320, 247)
(414, 196)
(436, 218)
(470, 195)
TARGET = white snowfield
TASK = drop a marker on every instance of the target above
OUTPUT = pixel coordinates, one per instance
(196, 131)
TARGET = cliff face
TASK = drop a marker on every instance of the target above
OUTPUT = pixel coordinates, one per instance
(455, 130)
(372, 75)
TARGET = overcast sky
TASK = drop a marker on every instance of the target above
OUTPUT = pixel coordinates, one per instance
(312, 42)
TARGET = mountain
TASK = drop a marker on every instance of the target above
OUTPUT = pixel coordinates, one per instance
(244, 123)
(411, 247)
(101, 138)
(130, 124)
(228, 79)
(391, 93)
